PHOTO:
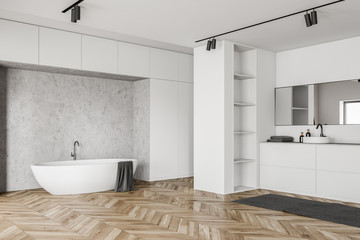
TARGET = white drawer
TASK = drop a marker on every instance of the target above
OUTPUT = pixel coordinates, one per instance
(292, 180)
(341, 186)
(295, 155)
(339, 158)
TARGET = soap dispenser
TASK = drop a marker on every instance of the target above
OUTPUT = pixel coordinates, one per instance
(301, 139)
(308, 134)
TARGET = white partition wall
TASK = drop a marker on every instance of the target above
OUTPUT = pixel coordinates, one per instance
(233, 112)
(209, 118)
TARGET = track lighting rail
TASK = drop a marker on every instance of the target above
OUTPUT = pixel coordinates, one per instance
(75, 4)
(271, 20)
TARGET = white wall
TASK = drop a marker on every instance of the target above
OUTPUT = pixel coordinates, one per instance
(209, 122)
(329, 62)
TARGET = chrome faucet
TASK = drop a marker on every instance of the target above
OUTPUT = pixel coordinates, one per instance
(73, 154)
(322, 131)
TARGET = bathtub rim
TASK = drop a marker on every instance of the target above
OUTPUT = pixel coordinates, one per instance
(82, 165)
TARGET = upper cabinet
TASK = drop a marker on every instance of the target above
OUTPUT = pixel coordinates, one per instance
(133, 60)
(186, 68)
(164, 64)
(24, 43)
(59, 48)
(19, 42)
(99, 54)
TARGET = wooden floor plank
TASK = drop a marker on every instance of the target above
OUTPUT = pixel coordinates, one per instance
(169, 209)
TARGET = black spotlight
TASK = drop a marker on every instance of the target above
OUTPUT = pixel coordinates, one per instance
(73, 15)
(213, 43)
(77, 12)
(308, 19)
(208, 46)
(314, 19)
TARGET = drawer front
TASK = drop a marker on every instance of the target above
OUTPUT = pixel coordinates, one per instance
(300, 181)
(294, 155)
(342, 186)
(339, 158)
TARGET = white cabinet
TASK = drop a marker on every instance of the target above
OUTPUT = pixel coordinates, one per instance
(288, 167)
(186, 138)
(292, 155)
(186, 67)
(294, 180)
(99, 54)
(134, 60)
(165, 145)
(338, 185)
(164, 132)
(339, 158)
(18, 42)
(59, 48)
(164, 64)
(338, 172)
(329, 171)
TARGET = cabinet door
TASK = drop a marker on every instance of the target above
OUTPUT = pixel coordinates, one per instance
(293, 155)
(338, 185)
(134, 60)
(18, 42)
(60, 48)
(186, 68)
(164, 132)
(99, 54)
(164, 64)
(338, 158)
(186, 138)
(300, 181)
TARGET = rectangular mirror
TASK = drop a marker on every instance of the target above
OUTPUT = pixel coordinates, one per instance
(336, 103)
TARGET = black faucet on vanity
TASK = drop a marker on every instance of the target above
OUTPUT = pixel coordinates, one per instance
(322, 131)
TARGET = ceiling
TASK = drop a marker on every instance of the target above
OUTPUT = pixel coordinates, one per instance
(176, 24)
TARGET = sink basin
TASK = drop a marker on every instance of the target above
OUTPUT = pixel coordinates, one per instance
(317, 140)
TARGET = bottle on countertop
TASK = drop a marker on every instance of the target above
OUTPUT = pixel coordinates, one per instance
(308, 134)
(301, 139)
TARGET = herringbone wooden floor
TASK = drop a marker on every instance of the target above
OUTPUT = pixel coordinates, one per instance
(160, 210)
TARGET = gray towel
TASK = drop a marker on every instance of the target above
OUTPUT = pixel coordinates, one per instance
(124, 179)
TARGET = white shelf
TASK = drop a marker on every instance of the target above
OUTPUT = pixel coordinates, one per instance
(241, 188)
(300, 108)
(243, 132)
(241, 104)
(243, 160)
(238, 76)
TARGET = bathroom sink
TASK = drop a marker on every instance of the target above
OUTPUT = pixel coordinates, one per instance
(316, 140)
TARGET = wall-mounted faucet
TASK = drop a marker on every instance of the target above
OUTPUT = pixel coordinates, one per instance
(73, 154)
(322, 131)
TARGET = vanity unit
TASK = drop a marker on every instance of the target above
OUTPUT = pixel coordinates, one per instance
(323, 170)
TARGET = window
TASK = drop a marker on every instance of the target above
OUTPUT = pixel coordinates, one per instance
(351, 112)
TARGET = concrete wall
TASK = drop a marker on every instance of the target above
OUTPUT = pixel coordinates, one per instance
(46, 112)
(142, 128)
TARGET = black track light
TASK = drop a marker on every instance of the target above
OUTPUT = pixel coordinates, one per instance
(77, 12)
(213, 43)
(208, 46)
(73, 15)
(314, 19)
(308, 20)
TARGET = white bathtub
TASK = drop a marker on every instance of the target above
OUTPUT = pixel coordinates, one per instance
(80, 176)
